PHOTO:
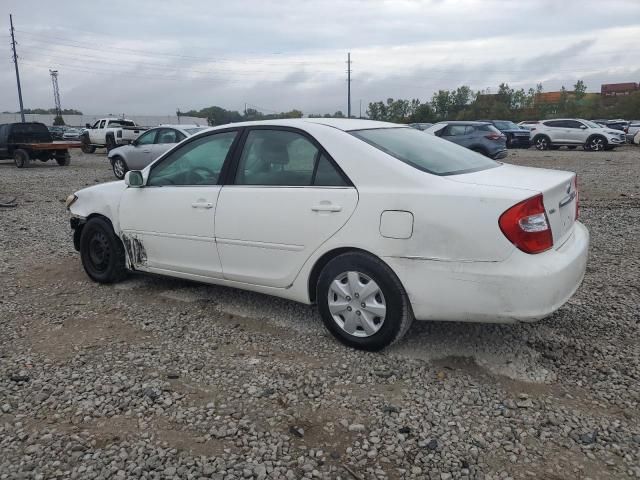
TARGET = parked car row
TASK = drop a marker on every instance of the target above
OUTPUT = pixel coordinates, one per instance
(62, 132)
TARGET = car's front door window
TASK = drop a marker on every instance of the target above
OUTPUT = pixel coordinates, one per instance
(146, 138)
(197, 163)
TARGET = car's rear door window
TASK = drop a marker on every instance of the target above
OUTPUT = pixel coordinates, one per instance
(425, 152)
(284, 158)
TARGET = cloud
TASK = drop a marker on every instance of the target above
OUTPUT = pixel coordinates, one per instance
(149, 57)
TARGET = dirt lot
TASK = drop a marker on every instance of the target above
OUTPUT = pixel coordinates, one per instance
(158, 378)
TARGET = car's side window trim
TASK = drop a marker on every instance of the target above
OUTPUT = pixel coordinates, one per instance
(230, 174)
(230, 155)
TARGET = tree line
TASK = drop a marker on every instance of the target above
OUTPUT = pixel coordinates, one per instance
(507, 103)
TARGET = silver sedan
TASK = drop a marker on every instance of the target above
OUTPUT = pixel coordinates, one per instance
(148, 146)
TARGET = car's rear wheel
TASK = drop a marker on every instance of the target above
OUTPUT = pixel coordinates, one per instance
(119, 167)
(21, 158)
(101, 251)
(64, 160)
(362, 302)
(597, 143)
(542, 142)
(86, 146)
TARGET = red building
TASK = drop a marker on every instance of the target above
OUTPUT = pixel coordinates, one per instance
(614, 89)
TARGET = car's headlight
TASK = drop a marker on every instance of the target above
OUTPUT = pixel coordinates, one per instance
(71, 199)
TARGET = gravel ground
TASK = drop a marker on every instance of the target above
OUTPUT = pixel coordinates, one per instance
(159, 378)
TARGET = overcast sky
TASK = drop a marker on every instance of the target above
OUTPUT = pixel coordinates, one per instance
(151, 57)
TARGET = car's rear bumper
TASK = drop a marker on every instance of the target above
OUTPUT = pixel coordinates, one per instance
(499, 154)
(522, 288)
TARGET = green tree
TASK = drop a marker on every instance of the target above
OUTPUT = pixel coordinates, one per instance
(579, 90)
(58, 120)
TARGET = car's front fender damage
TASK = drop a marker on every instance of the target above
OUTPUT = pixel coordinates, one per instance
(136, 252)
(77, 225)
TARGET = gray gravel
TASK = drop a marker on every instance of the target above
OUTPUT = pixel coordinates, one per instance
(159, 378)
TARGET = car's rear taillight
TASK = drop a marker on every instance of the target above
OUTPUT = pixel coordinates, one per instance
(575, 189)
(494, 136)
(526, 226)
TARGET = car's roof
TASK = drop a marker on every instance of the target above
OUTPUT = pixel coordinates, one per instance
(465, 122)
(344, 124)
(180, 125)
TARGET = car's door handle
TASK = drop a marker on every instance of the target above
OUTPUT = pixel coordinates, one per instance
(202, 205)
(327, 207)
(146, 151)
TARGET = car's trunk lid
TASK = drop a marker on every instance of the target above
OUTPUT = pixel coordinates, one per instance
(557, 188)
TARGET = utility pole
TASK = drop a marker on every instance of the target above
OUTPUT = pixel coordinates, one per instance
(56, 94)
(15, 62)
(349, 85)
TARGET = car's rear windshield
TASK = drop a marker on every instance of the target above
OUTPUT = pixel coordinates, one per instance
(424, 151)
(122, 123)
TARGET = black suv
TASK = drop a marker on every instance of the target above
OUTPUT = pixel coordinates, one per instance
(517, 137)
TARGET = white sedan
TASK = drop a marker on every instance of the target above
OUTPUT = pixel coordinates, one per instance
(375, 222)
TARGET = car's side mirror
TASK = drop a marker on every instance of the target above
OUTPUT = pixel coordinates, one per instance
(87, 125)
(134, 179)
(583, 127)
(134, 143)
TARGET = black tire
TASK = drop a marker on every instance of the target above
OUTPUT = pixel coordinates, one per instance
(101, 251)
(110, 143)
(542, 142)
(509, 141)
(596, 143)
(86, 145)
(64, 160)
(119, 167)
(21, 158)
(571, 147)
(398, 316)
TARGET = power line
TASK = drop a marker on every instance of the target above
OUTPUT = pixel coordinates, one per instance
(15, 62)
(75, 44)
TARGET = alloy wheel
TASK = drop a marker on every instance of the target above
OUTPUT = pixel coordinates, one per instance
(542, 144)
(118, 167)
(597, 144)
(357, 304)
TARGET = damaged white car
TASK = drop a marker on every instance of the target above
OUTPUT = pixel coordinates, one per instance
(376, 223)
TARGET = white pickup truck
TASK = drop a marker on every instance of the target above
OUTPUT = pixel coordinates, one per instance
(109, 133)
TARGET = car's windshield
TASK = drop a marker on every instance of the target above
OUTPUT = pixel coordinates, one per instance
(506, 125)
(425, 152)
(591, 124)
(193, 131)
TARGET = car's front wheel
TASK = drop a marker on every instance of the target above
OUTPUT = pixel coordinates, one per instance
(597, 143)
(362, 302)
(103, 256)
(119, 167)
